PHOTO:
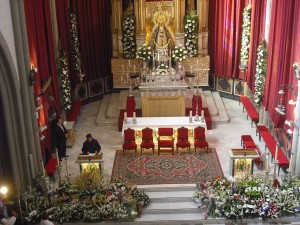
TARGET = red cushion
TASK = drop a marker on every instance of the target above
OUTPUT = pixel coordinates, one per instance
(147, 144)
(262, 128)
(147, 134)
(183, 133)
(250, 108)
(129, 145)
(165, 131)
(165, 143)
(129, 135)
(199, 133)
(183, 143)
(246, 138)
(200, 143)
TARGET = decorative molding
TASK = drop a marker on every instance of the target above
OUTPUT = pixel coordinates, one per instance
(47, 84)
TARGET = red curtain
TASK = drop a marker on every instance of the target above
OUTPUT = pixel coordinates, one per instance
(41, 51)
(95, 36)
(225, 30)
(282, 48)
(63, 24)
(258, 14)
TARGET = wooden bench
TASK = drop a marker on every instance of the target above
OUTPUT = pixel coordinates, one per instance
(51, 167)
(247, 104)
(74, 111)
(270, 143)
(247, 142)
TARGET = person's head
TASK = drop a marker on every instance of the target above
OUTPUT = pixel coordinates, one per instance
(59, 121)
(89, 137)
(45, 216)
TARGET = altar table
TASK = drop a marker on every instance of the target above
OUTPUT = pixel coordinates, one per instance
(156, 122)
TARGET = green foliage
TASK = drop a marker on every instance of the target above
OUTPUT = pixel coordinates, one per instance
(128, 37)
(244, 54)
(191, 29)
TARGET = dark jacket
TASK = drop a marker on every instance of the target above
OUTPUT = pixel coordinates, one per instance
(90, 147)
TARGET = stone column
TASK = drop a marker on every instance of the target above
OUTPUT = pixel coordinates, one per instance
(142, 15)
(296, 136)
(268, 19)
(137, 15)
(115, 26)
(177, 15)
(54, 27)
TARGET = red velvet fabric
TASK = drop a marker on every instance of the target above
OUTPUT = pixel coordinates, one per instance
(147, 134)
(165, 131)
(129, 135)
(247, 104)
(130, 106)
(258, 15)
(95, 36)
(283, 48)
(183, 133)
(199, 133)
(41, 52)
(225, 29)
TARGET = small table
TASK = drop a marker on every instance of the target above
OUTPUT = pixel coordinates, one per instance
(89, 162)
(69, 125)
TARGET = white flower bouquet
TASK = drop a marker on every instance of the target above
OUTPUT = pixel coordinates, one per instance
(191, 30)
(65, 82)
(162, 69)
(244, 54)
(76, 55)
(144, 52)
(179, 53)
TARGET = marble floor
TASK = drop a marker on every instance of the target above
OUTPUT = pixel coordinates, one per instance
(223, 137)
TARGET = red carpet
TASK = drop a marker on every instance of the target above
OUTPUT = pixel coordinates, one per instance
(166, 169)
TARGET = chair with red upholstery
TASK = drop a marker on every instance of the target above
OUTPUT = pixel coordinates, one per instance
(199, 138)
(147, 139)
(129, 140)
(165, 139)
(183, 139)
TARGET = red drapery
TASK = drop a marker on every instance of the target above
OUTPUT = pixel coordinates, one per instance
(41, 50)
(63, 24)
(282, 48)
(225, 29)
(95, 36)
(258, 15)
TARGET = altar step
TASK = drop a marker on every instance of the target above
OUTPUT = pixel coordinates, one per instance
(112, 103)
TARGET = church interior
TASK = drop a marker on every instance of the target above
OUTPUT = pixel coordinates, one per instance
(150, 111)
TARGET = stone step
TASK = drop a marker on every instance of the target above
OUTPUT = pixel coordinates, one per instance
(213, 110)
(185, 217)
(168, 188)
(112, 111)
(223, 115)
(163, 210)
(102, 113)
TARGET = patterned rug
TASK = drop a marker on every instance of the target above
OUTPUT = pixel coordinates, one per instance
(166, 169)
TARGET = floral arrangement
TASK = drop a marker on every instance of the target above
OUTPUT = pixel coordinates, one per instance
(244, 54)
(65, 82)
(261, 70)
(144, 52)
(75, 43)
(249, 197)
(179, 53)
(297, 70)
(162, 69)
(89, 197)
(128, 37)
(191, 30)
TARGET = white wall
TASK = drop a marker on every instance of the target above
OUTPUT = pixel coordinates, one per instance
(6, 28)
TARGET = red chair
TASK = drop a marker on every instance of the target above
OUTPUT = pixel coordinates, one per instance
(199, 138)
(165, 139)
(129, 140)
(147, 139)
(183, 139)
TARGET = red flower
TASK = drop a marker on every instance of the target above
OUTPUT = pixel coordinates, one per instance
(203, 186)
(108, 194)
(275, 183)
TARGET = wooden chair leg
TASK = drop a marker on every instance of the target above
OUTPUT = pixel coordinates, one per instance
(153, 151)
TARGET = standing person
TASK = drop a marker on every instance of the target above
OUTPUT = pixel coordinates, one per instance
(61, 139)
(45, 219)
(91, 145)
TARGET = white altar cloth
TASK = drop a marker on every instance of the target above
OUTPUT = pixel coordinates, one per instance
(156, 122)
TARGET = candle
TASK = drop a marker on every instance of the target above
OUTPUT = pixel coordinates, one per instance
(202, 113)
(267, 162)
(125, 115)
(134, 115)
(291, 161)
(276, 152)
(191, 113)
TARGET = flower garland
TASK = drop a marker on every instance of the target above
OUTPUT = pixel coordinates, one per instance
(128, 37)
(88, 197)
(244, 54)
(261, 70)
(191, 30)
(179, 53)
(144, 53)
(65, 82)
(75, 43)
(249, 197)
